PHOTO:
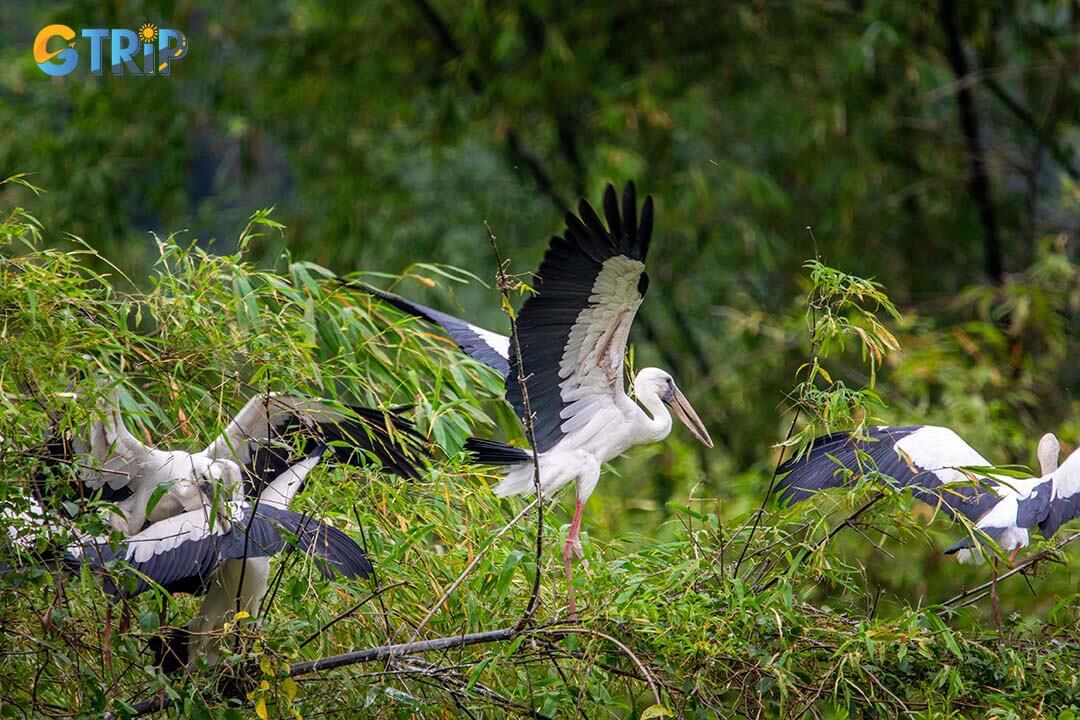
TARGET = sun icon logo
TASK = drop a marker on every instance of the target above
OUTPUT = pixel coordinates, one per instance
(148, 33)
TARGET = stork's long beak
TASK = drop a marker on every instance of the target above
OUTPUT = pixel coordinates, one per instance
(685, 412)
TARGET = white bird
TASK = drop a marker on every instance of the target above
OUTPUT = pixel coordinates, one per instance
(254, 447)
(573, 334)
(226, 557)
(943, 471)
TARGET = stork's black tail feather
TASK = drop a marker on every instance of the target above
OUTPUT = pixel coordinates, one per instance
(490, 452)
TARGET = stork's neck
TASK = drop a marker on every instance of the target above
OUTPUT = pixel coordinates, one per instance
(657, 424)
(280, 492)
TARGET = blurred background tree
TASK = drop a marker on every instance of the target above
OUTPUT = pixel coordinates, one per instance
(930, 145)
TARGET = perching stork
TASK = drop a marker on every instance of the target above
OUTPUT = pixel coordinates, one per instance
(253, 449)
(573, 335)
(196, 553)
(942, 470)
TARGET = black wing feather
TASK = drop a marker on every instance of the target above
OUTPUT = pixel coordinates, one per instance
(391, 439)
(835, 460)
(189, 566)
(564, 285)
(491, 452)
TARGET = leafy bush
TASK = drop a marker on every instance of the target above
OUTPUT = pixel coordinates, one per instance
(835, 609)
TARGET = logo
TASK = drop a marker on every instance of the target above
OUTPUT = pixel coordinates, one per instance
(148, 51)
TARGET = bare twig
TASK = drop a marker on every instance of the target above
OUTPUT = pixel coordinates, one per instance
(503, 284)
(981, 590)
(469, 568)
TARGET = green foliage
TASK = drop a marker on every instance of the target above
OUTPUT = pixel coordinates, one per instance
(385, 134)
(831, 613)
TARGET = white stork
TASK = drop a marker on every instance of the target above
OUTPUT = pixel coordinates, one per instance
(573, 335)
(253, 449)
(196, 553)
(942, 470)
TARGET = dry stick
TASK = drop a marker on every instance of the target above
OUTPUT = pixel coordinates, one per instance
(1046, 554)
(468, 569)
(504, 290)
(376, 654)
(385, 652)
(619, 644)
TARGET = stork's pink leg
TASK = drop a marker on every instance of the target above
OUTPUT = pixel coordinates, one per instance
(573, 547)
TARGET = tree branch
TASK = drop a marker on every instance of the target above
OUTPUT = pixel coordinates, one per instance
(979, 181)
(519, 154)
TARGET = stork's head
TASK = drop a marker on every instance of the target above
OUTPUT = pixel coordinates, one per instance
(221, 476)
(654, 382)
(1048, 453)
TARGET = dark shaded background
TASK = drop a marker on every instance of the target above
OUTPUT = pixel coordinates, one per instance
(929, 145)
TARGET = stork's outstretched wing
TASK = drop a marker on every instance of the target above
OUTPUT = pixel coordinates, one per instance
(488, 347)
(262, 437)
(925, 458)
(182, 552)
(573, 331)
(108, 458)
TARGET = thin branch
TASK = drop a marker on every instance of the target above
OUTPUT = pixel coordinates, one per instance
(979, 182)
(503, 284)
(1045, 555)
(376, 654)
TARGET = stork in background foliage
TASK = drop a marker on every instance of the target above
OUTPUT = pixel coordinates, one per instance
(572, 334)
(942, 470)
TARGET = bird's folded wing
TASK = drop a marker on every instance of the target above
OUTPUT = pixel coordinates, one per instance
(929, 460)
(573, 331)
(182, 552)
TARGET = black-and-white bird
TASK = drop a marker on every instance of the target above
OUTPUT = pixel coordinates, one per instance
(250, 473)
(255, 447)
(942, 470)
(573, 334)
(224, 556)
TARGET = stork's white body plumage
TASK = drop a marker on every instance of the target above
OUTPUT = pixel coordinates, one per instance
(130, 473)
(568, 376)
(598, 437)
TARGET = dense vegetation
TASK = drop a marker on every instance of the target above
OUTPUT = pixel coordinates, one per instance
(927, 145)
